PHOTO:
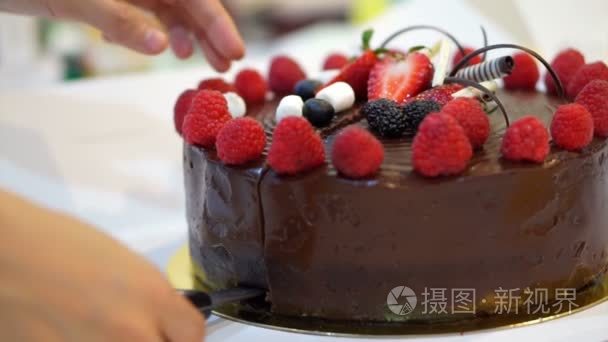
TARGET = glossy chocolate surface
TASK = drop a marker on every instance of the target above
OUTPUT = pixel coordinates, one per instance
(331, 247)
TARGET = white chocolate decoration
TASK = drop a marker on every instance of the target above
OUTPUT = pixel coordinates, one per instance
(474, 92)
(236, 105)
(340, 95)
(289, 106)
(443, 59)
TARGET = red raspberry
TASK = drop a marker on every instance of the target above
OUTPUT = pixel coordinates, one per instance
(595, 98)
(208, 114)
(525, 73)
(441, 146)
(335, 61)
(526, 140)
(467, 50)
(356, 153)
(251, 85)
(584, 75)
(182, 105)
(284, 74)
(471, 116)
(441, 94)
(296, 147)
(240, 140)
(565, 64)
(572, 127)
(216, 84)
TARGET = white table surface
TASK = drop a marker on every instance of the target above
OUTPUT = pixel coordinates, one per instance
(105, 151)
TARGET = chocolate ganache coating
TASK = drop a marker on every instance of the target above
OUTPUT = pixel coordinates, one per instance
(330, 247)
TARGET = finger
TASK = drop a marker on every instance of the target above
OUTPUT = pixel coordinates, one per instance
(179, 36)
(212, 19)
(181, 322)
(217, 61)
(127, 25)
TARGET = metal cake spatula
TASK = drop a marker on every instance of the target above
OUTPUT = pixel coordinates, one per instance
(207, 301)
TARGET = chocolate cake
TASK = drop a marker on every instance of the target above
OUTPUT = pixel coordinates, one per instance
(327, 246)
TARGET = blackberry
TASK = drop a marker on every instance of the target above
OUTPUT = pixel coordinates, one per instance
(415, 111)
(385, 117)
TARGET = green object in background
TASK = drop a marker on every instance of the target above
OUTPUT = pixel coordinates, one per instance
(365, 10)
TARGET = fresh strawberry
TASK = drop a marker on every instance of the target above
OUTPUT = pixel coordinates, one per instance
(400, 79)
(441, 94)
(356, 73)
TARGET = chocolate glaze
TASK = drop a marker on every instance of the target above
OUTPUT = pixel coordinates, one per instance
(330, 247)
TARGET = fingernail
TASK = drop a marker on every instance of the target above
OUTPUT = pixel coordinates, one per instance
(180, 42)
(155, 40)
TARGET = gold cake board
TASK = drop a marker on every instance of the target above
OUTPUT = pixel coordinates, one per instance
(180, 272)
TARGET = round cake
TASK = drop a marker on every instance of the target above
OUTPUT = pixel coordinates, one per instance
(329, 246)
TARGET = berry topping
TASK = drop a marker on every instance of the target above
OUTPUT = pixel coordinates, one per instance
(595, 98)
(416, 111)
(284, 74)
(307, 89)
(586, 74)
(356, 153)
(251, 85)
(290, 105)
(565, 65)
(218, 84)
(385, 117)
(467, 50)
(318, 112)
(572, 127)
(441, 94)
(399, 79)
(340, 95)
(296, 147)
(441, 147)
(356, 73)
(525, 73)
(236, 105)
(208, 114)
(471, 116)
(335, 61)
(181, 108)
(240, 140)
(526, 140)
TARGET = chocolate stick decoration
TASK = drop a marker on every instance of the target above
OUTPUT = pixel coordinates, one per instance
(465, 60)
(488, 71)
(485, 90)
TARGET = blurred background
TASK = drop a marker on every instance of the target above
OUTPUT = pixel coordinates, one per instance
(36, 52)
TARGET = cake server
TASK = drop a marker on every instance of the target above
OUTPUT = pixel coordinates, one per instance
(207, 301)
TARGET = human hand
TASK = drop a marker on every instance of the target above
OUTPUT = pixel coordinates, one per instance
(61, 280)
(127, 22)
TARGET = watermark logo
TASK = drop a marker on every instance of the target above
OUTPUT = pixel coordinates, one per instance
(401, 300)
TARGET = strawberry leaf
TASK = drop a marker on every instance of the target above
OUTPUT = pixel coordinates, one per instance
(416, 48)
(367, 38)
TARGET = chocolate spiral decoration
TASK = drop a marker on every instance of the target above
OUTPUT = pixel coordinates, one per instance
(485, 43)
(488, 71)
(465, 60)
(422, 27)
(486, 91)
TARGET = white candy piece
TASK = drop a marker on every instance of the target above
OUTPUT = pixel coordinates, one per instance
(340, 95)
(236, 105)
(289, 106)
